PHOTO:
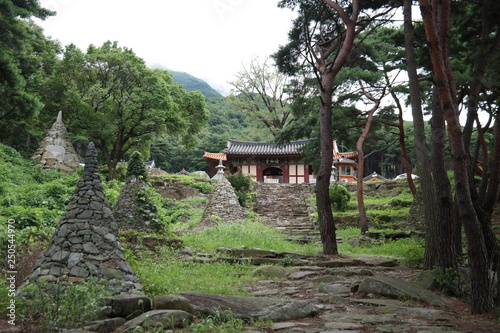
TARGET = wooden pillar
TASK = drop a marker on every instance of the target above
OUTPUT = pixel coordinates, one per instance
(286, 174)
(306, 173)
(260, 177)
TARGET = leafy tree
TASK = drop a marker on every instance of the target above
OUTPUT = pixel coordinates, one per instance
(25, 58)
(259, 92)
(112, 98)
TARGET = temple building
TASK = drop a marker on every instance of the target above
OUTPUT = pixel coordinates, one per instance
(273, 163)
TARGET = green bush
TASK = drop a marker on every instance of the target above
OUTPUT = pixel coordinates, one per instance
(204, 187)
(339, 196)
(54, 307)
(242, 187)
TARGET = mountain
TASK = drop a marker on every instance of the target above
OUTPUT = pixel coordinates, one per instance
(191, 83)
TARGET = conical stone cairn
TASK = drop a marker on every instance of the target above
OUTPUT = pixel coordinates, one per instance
(224, 203)
(85, 244)
(56, 150)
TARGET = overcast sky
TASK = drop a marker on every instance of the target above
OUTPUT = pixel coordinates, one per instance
(209, 39)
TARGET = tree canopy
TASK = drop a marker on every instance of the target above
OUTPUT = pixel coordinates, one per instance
(26, 57)
(110, 97)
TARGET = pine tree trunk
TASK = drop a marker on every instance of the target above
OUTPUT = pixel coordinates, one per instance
(325, 215)
(422, 157)
(436, 24)
(441, 250)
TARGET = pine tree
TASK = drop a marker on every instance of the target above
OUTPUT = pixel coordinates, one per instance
(136, 166)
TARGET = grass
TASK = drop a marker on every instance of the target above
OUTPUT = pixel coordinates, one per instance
(165, 273)
(249, 234)
(172, 276)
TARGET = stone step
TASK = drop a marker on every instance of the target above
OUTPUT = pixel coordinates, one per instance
(285, 206)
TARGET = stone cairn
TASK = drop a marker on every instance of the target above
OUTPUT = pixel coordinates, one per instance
(85, 244)
(223, 201)
(56, 151)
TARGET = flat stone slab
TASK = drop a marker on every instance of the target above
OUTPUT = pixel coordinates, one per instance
(301, 275)
(399, 289)
(156, 320)
(248, 308)
(358, 318)
(379, 302)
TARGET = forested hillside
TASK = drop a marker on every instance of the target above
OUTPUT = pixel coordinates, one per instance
(191, 83)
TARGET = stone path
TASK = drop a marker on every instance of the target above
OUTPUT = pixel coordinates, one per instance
(345, 309)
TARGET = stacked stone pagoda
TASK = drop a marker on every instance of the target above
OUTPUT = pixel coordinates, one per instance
(224, 203)
(85, 244)
(56, 151)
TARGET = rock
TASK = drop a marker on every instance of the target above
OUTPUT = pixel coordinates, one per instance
(249, 308)
(128, 305)
(270, 271)
(172, 302)
(248, 253)
(335, 289)
(106, 325)
(362, 241)
(157, 320)
(155, 242)
(395, 288)
(426, 281)
(358, 318)
(301, 275)
(341, 263)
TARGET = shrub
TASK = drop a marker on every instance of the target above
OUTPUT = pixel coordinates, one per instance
(242, 186)
(339, 196)
(136, 166)
(54, 307)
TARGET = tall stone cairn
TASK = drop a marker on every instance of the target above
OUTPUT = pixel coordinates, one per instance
(224, 203)
(56, 150)
(85, 244)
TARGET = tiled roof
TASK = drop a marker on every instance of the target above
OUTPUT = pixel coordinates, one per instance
(345, 161)
(215, 156)
(374, 175)
(263, 148)
(348, 155)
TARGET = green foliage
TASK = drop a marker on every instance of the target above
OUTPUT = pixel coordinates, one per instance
(242, 185)
(112, 190)
(26, 57)
(151, 207)
(339, 196)
(35, 199)
(185, 213)
(224, 124)
(53, 307)
(136, 167)
(203, 185)
(449, 279)
(221, 321)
